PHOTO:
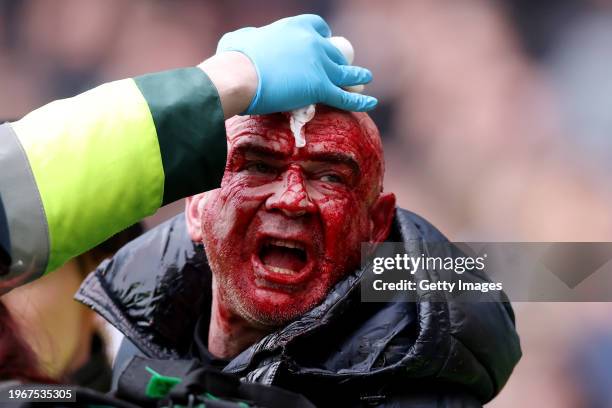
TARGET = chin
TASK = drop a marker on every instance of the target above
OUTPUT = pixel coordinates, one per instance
(273, 308)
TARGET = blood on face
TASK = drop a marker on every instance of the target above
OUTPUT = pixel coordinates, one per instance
(287, 222)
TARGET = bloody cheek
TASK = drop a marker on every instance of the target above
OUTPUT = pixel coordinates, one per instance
(233, 207)
(345, 228)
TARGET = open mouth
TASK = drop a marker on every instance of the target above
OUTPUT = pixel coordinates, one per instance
(282, 263)
(283, 256)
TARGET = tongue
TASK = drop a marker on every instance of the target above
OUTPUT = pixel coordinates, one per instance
(282, 257)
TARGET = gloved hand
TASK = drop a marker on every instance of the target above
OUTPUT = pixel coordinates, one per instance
(298, 66)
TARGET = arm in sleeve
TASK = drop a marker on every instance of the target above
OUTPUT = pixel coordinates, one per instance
(78, 170)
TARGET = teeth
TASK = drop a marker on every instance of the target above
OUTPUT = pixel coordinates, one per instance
(286, 243)
(282, 271)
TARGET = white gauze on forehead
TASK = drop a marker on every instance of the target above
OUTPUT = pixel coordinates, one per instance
(299, 117)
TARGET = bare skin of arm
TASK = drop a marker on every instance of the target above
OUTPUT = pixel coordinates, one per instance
(235, 78)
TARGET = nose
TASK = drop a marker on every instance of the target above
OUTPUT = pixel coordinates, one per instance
(291, 197)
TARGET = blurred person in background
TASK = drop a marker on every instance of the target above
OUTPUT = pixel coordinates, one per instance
(68, 342)
(17, 358)
(19, 364)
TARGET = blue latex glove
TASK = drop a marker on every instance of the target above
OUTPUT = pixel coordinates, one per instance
(298, 66)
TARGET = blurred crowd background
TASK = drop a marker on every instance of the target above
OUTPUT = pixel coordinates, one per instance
(496, 118)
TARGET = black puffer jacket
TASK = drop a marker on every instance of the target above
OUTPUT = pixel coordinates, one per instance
(344, 352)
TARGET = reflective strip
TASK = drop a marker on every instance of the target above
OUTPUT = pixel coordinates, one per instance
(24, 210)
(97, 164)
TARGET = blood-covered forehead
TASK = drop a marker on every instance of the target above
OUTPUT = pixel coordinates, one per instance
(330, 131)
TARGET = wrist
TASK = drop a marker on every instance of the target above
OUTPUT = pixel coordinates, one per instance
(235, 78)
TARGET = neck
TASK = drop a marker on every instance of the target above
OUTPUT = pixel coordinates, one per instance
(229, 334)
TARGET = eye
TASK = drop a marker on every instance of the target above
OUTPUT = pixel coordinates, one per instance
(260, 167)
(331, 178)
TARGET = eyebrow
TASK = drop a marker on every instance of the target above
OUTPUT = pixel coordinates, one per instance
(335, 158)
(328, 157)
(260, 150)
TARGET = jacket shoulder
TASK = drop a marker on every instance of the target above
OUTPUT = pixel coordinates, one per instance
(151, 280)
(413, 226)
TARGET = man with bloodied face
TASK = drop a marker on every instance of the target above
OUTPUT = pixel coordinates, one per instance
(260, 278)
(287, 222)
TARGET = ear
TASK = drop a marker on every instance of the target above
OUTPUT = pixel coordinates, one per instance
(194, 210)
(381, 216)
